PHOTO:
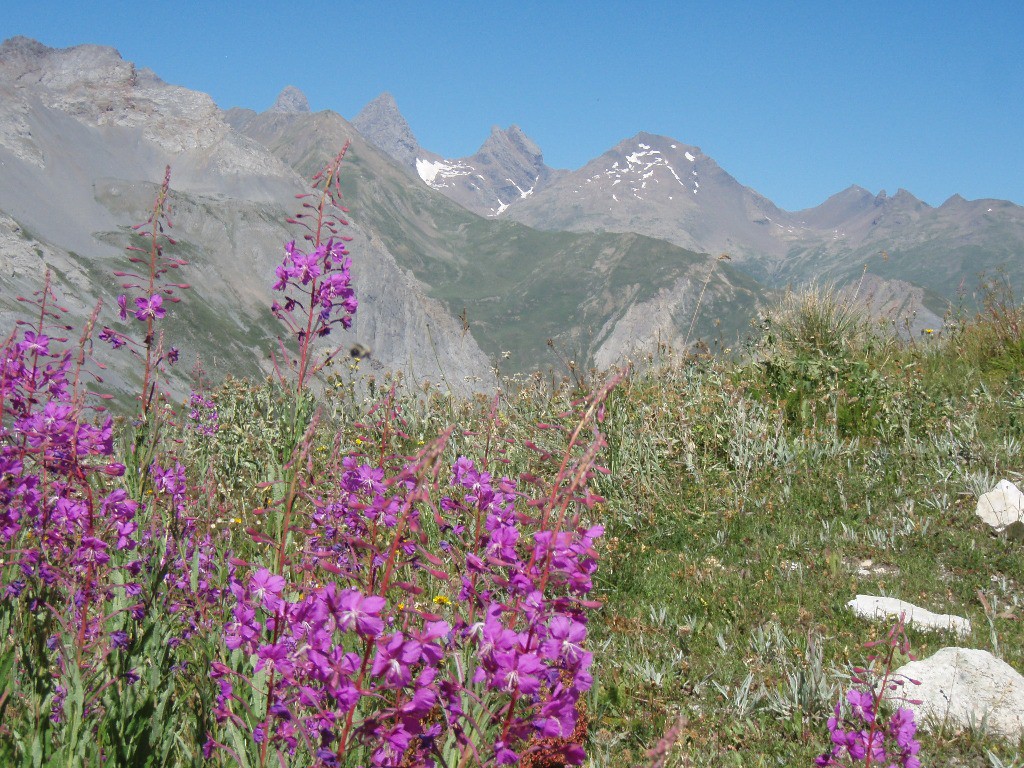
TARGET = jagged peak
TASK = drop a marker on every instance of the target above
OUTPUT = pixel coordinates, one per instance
(383, 125)
(854, 192)
(23, 45)
(382, 106)
(291, 100)
(906, 198)
(513, 137)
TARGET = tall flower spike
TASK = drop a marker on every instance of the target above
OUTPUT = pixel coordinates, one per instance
(317, 283)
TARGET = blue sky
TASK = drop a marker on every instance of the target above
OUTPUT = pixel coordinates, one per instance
(795, 99)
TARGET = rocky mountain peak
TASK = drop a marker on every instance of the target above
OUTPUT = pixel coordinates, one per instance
(902, 200)
(27, 62)
(839, 208)
(382, 124)
(20, 53)
(904, 197)
(513, 139)
(291, 101)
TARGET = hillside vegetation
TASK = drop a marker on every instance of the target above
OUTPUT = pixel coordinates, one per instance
(651, 566)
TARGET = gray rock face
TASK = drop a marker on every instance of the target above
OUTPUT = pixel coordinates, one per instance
(383, 125)
(963, 687)
(897, 303)
(645, 325)
(291, 101)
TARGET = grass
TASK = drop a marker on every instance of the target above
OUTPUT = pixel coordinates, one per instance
(747, 503)
(744, 502)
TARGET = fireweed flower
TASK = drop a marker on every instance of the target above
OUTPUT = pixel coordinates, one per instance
(35, 344)
(112, 337)
(362, 613)
(859, 732)
(266, 589)
(394, 659)
(323, 279)
(151, 308)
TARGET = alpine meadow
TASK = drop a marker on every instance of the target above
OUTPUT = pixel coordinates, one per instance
(318, 448)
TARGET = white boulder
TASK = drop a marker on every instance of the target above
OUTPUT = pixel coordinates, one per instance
(1002, 505)
(872, 607)
(964, 687)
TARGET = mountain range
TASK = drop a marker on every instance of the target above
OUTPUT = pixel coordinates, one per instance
(918, 258)
(461, 265)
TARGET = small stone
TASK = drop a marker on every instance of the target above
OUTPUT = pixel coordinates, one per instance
(872, 607)
(1002, 506)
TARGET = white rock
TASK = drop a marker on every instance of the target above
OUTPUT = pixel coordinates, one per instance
(871, 607)
(1002, 505)
(961, 687)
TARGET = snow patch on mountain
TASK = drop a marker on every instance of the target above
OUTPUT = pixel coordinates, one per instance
(438, 173)
(523, 193)
(644, 167)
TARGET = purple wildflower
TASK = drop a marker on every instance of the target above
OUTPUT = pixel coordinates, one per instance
(151, 308)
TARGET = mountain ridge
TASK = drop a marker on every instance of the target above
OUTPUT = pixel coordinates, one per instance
(491, 256)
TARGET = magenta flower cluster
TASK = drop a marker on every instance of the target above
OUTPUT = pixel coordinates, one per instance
(202, 414)
(371, 615)
(65, 536)
(366, 660)
(318, 283)
(860, 738)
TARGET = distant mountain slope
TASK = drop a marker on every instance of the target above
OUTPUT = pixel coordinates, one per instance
(516, 286)
(83, 136)
(666, 189)
(942, 250)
